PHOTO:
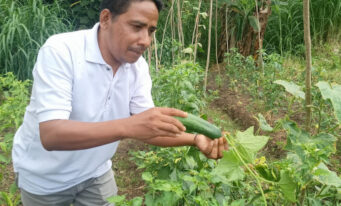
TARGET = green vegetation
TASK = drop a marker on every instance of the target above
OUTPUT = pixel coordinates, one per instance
(14, 97)
(25, 25)
(285, 30)
(307, 172)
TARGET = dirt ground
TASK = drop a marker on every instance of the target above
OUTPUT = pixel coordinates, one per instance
(239, 107)
(127, 175)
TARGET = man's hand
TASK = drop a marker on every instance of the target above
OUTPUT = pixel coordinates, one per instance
(211, 148)
(155, 122)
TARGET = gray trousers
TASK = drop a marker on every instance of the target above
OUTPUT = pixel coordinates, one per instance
(92, 192)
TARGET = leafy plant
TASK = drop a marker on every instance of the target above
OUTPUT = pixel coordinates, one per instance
(83, 13)
(11, 198)
(179, 87)
(14, 96)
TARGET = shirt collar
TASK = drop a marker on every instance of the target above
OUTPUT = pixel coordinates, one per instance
(92, 51)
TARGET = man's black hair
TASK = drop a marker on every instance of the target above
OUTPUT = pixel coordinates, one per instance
(118, 7)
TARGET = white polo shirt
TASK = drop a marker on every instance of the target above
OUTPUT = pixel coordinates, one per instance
(72, 81)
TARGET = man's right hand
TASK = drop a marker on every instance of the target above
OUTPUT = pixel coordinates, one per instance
(155, 122)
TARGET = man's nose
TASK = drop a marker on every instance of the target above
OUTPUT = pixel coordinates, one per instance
(145, 38)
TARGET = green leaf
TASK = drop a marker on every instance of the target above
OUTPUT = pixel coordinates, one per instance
(251, 142)
(13, 188)
(168, 186)
(190, 162)
(137, 201)
(325, 176)
(4, 159)
(263, 124)
(298, 141)
(295, 135)
(116, 199)
(288, 186)
(163, 173)
(254, 23)
(6, 198)
(229, 167)
(240, 202)
(147, 176)
(292, 88)
(334, 94)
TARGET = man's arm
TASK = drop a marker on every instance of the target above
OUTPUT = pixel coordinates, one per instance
(74, 135)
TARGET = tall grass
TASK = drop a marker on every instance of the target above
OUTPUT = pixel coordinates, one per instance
(24, 26)
(285, 27)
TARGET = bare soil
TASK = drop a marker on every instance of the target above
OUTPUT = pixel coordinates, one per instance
(127, 175)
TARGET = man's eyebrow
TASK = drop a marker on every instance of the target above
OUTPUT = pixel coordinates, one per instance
(142, 24)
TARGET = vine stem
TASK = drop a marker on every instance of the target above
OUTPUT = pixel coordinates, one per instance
(248, 168)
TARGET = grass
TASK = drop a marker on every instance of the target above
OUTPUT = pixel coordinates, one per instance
(25, 25)
(326, 64)
(285, 27)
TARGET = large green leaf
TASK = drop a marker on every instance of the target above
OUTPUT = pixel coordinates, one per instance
(334, 94)
(251, 142)
(288, 186)
(292, 88)
(298, 141)
(325, 176)
(296, 136)
(229, 167)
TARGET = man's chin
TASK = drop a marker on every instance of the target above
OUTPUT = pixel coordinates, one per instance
(132, 60)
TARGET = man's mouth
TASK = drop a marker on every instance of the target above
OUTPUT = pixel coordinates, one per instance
(137, 51)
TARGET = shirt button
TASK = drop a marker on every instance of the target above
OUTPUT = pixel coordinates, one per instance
(108, 98)
(108, 69)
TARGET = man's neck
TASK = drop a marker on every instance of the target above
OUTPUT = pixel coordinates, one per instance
(108, 58)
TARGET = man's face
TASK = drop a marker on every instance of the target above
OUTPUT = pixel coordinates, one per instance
(128, 35)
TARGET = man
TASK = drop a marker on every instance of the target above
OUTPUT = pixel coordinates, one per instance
(91, 89)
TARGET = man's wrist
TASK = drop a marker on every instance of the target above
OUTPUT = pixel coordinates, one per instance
(195, 139)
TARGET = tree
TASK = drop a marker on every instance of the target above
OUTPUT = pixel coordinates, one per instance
(244, 24)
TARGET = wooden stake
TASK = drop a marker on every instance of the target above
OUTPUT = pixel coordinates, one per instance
(209, 45)
(307, 40)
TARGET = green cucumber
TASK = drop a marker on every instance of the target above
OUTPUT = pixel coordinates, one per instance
(198, 125)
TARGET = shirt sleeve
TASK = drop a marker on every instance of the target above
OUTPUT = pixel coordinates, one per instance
(52, 87)
(142, 97)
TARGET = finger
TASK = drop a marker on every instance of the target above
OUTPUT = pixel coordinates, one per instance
(214, 153)
(162, 133)
(168, 128)
(226, 146)
(220, 147)
(173, 112)
(173, 121)
(209, 146)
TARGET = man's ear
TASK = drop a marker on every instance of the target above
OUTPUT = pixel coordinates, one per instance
(105, 18)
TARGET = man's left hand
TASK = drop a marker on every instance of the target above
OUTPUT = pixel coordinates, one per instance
(211, 148)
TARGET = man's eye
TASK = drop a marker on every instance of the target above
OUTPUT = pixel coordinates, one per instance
(137, 27)
(151, 31)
